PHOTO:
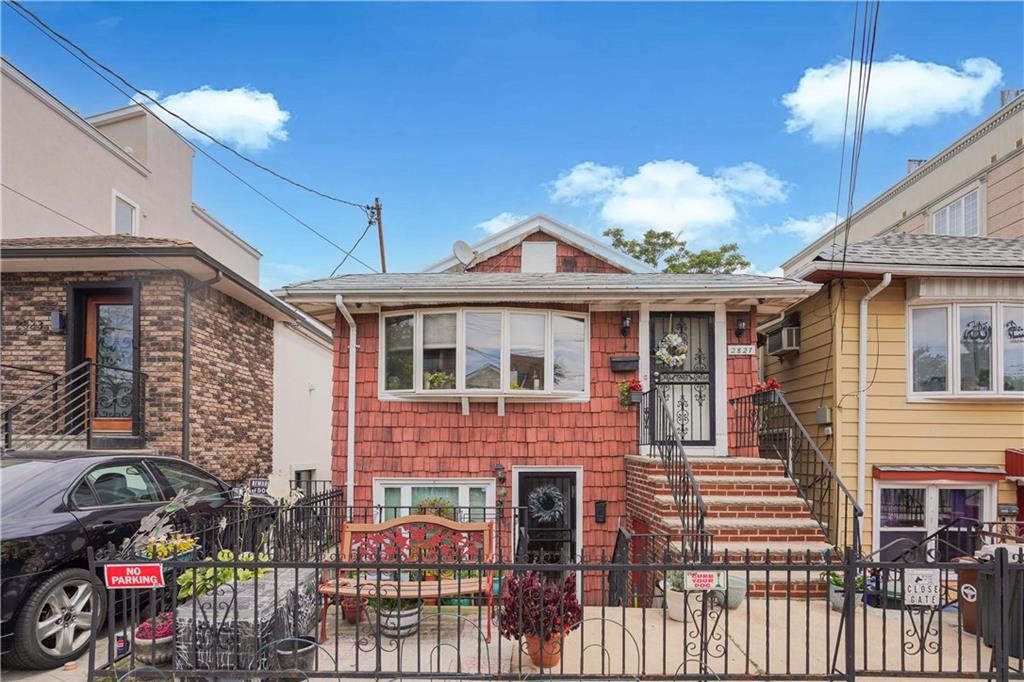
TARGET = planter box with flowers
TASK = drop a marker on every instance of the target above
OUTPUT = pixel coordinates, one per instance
(630, 392)
(541, 608)
(767, 393)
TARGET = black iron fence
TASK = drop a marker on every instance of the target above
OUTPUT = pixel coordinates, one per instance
(658, 432)
(763, 424)
(826, 618)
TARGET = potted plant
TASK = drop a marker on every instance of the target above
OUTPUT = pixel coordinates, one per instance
(173, 545)
(766, 393)
(399, 617)
(436, 506)
(154, 639)
(836, 592)
(439, 381)
(675, 595)
(352, 609)
(630, 392)
(541, 610)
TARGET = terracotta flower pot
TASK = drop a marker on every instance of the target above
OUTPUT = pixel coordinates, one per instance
(548, 655)
(352, 610)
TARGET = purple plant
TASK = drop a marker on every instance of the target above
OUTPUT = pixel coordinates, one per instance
(156, 628)
(534, 604)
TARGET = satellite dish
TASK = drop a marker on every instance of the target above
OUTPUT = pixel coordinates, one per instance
(463, 252)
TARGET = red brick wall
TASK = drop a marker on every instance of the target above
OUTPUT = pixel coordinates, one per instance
(742, 373)
(425, 439)
(510, 260)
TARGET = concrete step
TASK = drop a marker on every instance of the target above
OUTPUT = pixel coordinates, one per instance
(48, 442)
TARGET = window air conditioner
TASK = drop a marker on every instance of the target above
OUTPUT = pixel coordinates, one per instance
(783, 341)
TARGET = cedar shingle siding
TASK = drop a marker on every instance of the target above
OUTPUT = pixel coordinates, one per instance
(567, 258)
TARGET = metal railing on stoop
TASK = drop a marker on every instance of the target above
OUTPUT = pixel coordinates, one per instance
(657, 431)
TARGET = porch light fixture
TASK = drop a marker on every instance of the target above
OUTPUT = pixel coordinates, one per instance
(741, 327)
(627, 322)
(499, 472)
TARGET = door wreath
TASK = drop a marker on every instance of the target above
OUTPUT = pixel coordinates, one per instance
(545, 503)
(671, 350)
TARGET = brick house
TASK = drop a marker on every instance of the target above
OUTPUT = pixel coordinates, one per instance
(482, 382)
(201, 336)
(100, 228)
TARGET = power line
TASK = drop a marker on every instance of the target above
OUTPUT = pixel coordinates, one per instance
(139, 91)
(368, 210)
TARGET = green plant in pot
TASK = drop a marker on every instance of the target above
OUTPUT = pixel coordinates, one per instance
(398, 617)
(837, 587)
(541, 610)
(438, 381)
(436, 506)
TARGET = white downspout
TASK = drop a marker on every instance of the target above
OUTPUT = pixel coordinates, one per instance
(862, 385)
(350, 430)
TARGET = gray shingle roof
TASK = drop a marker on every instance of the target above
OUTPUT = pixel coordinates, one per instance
(930, 250)
(548, 282)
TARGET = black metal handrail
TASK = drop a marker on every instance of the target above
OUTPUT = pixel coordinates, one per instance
(657, 431)
(764, 425)
(64, 408)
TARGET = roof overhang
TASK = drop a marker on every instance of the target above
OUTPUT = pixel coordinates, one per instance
(186, 259)
(320, 303)
(823, 271)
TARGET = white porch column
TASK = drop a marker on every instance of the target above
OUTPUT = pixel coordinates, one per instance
(721, 379)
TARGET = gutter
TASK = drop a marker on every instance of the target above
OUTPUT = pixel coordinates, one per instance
(350, 430)
(862, 384)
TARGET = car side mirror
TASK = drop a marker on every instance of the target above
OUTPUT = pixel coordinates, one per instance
(235, 494)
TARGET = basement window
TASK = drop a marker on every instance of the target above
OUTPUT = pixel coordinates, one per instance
(482, 352)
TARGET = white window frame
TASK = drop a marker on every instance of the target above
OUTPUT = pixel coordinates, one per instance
(953, 390)
(978, 188)
(115, 195)
(407, 484)
(417, 392)
(931, 503)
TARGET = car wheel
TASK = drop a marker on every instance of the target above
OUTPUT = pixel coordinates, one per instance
(55, 623)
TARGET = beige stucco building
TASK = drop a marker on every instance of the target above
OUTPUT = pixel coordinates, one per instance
(909, 370)
(124, 172)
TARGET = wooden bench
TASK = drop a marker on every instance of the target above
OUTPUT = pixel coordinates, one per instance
(420, 538)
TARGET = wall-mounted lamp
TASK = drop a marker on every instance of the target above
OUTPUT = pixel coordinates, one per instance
(57, 325)
(741, 327)
(499, 472)
(627, 322)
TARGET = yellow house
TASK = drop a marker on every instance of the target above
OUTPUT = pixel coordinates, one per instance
(907, 366)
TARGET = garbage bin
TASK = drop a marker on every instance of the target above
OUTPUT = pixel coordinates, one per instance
(967, 593)
(989, 612)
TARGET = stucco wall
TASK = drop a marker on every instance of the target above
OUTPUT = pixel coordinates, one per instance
(302, 402)
(48, 157)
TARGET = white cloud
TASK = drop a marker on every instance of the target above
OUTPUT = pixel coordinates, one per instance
(500, 222)
(807, 229)
(770, 272)
(667, 195)
(904, 93)
(243, 117)
(584, 180)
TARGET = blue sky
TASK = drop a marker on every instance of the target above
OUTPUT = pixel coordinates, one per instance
(715, 119)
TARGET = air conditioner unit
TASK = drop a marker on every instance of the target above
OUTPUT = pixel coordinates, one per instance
(783, 341)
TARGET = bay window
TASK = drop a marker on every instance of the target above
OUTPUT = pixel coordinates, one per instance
(487, 352)
(965, 349)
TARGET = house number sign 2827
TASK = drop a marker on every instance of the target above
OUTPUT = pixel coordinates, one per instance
(742, 349)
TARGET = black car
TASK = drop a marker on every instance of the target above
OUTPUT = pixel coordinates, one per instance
(54, 506)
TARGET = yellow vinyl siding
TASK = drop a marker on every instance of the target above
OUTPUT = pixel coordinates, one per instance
(909, 433)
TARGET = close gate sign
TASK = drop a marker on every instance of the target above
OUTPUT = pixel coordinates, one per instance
(133, 576)
(921, 587)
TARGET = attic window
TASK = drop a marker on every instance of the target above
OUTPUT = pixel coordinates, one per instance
(538, 257)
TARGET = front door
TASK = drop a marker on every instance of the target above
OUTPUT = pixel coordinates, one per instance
(547, 514)
(110, 344)
(682, 371)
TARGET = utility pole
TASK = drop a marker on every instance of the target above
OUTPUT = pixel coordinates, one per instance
(380, 233)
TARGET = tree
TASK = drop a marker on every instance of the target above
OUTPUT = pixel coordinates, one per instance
(664, 250)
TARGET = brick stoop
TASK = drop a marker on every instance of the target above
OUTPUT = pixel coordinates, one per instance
(754, 512)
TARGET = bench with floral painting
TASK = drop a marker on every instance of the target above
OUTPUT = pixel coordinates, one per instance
(412, 540)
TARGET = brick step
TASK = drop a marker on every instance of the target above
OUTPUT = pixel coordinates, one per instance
(761, 486)
(737, 551)
(666, 507)
(736, 466)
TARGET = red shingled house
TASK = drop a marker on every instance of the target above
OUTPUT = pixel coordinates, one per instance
(482, 381)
